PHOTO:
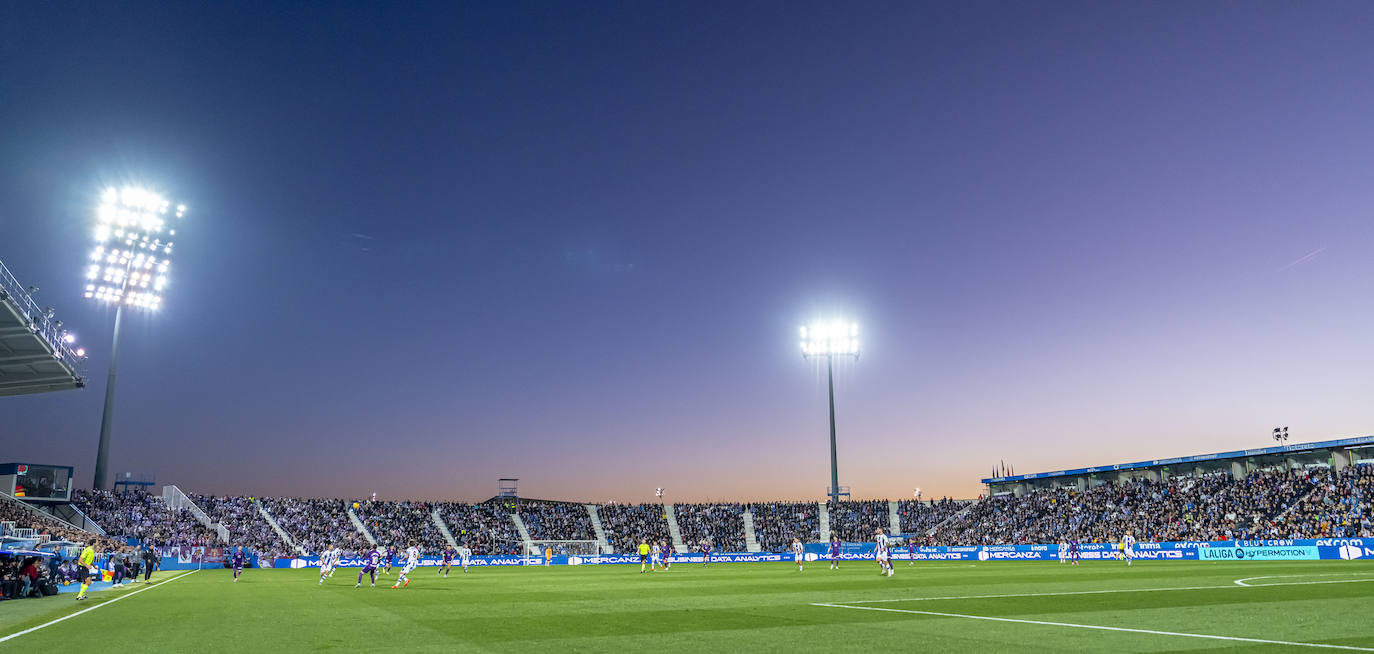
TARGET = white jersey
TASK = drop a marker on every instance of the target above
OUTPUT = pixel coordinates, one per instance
(465, 554)
(797, 550)
(1128, 545)
(880, 546)
(412, 555)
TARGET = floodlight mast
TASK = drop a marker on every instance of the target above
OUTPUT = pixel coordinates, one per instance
(830, 340)
(132, 272)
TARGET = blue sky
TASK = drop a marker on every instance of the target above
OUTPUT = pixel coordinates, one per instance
(433, 245)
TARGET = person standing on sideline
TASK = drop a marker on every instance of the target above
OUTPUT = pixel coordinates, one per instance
(83, 570)
(149, 562)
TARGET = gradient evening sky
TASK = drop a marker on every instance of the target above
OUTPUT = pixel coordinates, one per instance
(430, 245)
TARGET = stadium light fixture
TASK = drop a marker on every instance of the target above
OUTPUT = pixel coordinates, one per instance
(828, 340)
(128, 268)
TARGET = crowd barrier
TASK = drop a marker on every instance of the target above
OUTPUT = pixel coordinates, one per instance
(1250, 550)
(193, 557)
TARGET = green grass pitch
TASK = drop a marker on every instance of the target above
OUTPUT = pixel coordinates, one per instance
(936, 607)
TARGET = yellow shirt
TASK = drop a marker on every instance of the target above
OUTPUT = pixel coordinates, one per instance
(87, 556)
(643, 549)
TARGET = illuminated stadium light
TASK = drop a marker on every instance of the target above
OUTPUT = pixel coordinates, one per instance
(832, 338)
(131, 245)
(828, 340)
(128, 268)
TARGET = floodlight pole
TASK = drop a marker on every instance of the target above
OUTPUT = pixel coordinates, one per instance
(834, 464)
(102, 458)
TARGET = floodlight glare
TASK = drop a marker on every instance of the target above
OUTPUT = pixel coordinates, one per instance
(137, 217)
(828, 340)
(833, 338)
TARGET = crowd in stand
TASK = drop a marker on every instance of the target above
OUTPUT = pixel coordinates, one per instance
(142, 516)
(777, 523)
(314, 524)
(1267, 504)
(856, 521)
(486, 528)
(47, 529)
(1340, 504)
(920, 517)
(245, 523)
(547, 520)
(398, 524)
(628, 524)
(1209, 507)
(721, 525)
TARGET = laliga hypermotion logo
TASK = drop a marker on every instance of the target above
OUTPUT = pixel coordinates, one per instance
(1349, 552)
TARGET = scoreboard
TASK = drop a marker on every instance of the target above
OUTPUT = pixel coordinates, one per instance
(37, 483)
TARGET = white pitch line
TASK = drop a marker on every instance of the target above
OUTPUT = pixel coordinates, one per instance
(1241, 582)
(1111, 591)
(92, 608)
(1103, 628)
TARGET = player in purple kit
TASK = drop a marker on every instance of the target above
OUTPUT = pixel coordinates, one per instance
(706, 553)
(390, 557)
(447, 554)
(239, 560)
(371, 561)
(1073, 550)
(834, 552)
(667, 551)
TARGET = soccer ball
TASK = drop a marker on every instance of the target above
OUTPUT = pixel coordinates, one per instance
(355, 505)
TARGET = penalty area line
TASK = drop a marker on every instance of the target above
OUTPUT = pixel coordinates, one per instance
(92, 608)
(1073, 625)
(1112, 591)
(1241, 582)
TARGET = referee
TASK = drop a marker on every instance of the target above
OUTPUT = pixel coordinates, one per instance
(83, 570)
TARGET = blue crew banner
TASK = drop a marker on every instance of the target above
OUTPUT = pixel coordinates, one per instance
(1247, 550)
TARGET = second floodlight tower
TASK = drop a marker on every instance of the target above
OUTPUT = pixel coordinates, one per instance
(830, 340)
(128, 268)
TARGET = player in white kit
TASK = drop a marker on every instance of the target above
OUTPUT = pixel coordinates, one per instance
(880, 550)
(797, 553)
(412, 560)
(1128, 547)
(326, 563)
(1063, 550)
(465, 555)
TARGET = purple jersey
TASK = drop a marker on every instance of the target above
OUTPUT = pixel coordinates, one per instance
(240, 559)
(372, 560)
(666, 549)
(834, 548)
(706, 548)
(448, 555)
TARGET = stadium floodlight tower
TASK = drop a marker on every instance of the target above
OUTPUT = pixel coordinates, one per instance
(829, 340)
(128, 268)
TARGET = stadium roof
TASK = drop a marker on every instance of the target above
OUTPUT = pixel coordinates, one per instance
(34, 358)
(1296, 447)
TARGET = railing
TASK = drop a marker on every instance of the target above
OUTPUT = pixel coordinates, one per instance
(39, 322)
(178, 500)
(6, 497)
